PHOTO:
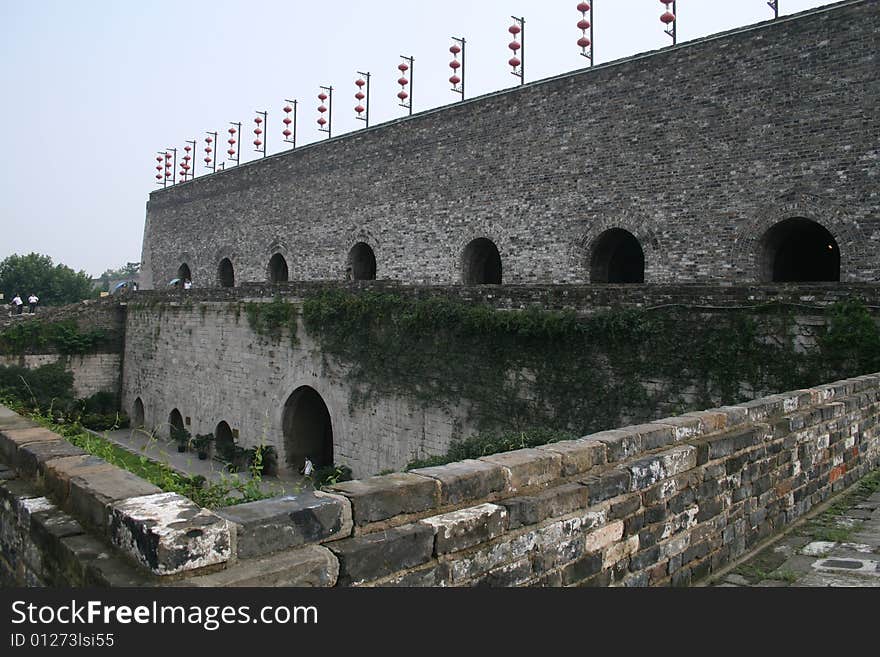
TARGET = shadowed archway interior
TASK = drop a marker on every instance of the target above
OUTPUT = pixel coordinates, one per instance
(481, 263)
(224, 439)
(225, 273)
(308, 429)
(137, 414)
(175, 420)
(278, 272)
(617, 258)
(361, 263)
(799, 250)
(183, 272)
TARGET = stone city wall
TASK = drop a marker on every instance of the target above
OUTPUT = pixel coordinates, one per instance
(696, 150)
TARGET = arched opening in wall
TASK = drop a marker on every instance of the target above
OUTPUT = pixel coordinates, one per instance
(361, 263)
(175, 421)
(308, 430)
(481, 263)
(137, 414)
(278, 269)
(617, 258)
(799, 250)
(183, 273)
(225, 273)
(224, 441)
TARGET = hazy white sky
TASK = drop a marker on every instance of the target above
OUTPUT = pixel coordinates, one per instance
(93, 88)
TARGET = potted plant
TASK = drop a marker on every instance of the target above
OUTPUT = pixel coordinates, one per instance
(270, 460)
(180, 436)
(202, 443)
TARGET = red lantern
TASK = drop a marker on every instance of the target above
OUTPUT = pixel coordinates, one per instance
(403, 95)
(287, 120)
(322, 121)
(514, 62)
(322, 96)
(403, 68)
(360, 83)
(584, 42)
(322, 109)
(286, 132)
(454, 80)
(514, 29)
(667, 18)
(258, 120)
(583, 7)
(359, 109)
(583, 24)
(455, 49)
(454, 64)
(514, 46)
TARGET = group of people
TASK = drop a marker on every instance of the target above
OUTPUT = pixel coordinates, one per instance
(18, 305)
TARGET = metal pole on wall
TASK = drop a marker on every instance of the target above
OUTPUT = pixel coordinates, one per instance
(774, 5)
(518, 46)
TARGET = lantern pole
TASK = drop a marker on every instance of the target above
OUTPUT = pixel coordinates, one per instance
(191, 146)
(210, 155)
(168, 173)
(173, 166)
(261, 142)
(774, 5)
(290, 135)
(160, 161)
(359, 96)
(234, 154)
(460, 46)
(408, 64)
(670, 19)
(322, 108)
(586, 23)
(518, 30)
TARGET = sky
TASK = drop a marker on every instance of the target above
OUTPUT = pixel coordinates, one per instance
(92, 89)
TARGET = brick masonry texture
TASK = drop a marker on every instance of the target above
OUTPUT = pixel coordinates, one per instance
(697, 150)
(665, 515)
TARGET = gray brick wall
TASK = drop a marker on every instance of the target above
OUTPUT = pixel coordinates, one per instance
(696, 150)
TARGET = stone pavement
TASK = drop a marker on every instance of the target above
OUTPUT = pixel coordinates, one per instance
(187, 463)
(839, 547)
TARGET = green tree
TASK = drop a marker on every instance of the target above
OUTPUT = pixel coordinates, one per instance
(127, 272)
(34, 273)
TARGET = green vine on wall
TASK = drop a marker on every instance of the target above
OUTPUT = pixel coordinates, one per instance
(37, 337)
(271, 319)
(534, 368)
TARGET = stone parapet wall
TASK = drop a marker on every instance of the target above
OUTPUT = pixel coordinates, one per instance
(91, 372)
(664, 503)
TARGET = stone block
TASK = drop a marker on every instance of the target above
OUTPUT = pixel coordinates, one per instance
(31, 458)
(528, 468)
(710, 421)
(457, 530)
(684, 427)
(11, 440)
(57, 473)
(373, 556)
(654, 435)
(731, 442)
(578, 456)
(554, 502)
(466, 481)
(581, 569)
(91, 493)
(604, 536)
(168, 534)
(381, 498)
(306, 566)
(435, 574)
(620, 444)
(279, 523)
(651, 469)
(608, 484)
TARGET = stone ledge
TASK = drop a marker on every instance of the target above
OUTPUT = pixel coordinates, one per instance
(11, 440)
(380, 498)
(268, 526)
(458, 530)
(168, 534)
(310, 565)
(466, 481)
(528, 468)
(373, 556)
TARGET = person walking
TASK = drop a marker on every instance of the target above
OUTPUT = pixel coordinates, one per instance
(32, 302)
(17, 305)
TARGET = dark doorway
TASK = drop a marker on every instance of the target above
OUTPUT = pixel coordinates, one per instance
(137, 414)
(799, 250)
(183, 273)
(175, 420)
(225, 273)
(617, 258)
(361, 263)
(278, 269)
(224, 441)
(481, 263)
(308, 430)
